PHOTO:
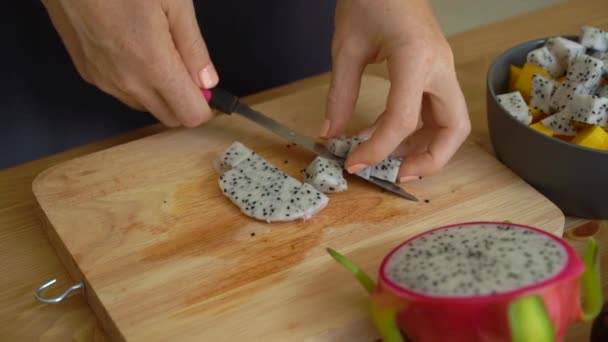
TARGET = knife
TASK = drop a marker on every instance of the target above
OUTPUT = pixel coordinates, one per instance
(225, 102)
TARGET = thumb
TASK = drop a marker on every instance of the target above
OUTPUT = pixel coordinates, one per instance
(190, 44)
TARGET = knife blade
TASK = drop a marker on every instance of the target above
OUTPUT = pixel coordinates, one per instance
(225, 102)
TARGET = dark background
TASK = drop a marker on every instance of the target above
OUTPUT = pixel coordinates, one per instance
(47, 108)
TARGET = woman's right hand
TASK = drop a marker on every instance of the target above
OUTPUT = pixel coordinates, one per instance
(149, 54)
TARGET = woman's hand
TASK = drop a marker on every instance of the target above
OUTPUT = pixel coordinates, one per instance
(147, 53)
(424, 87)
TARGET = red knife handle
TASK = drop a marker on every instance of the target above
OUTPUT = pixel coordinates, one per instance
(220, 99)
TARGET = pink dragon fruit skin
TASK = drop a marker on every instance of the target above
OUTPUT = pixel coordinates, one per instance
(539, 312)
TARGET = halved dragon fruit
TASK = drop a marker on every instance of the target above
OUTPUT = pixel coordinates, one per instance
(594, 38)
(262, 191)
(482, 281)
(589, 109)
(560, 123)
(516, 106)
(544, 59)
(325, 175)
(543, 89)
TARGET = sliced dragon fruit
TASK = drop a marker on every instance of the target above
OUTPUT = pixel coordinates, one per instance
(586, 70)
(589, 109)
(233, 155)
(543, 89)
(564, 49)
(339, 146)
(387, 170)
(516, 106)
(325, 175)
(264, 192)
(565, 93)
(560, 123)
(594, 38)
(544, 59)
(303, 204)
(482, 281)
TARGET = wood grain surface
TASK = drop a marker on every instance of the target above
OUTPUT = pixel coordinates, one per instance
(165, 256)
(28, 260)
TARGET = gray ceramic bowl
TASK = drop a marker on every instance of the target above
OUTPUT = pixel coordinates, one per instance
(573, 177)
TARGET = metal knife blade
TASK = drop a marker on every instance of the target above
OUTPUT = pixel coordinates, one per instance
(227, 103)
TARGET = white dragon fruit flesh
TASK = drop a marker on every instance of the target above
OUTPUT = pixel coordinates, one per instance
(586, 70)
(544, 59)
(589, 109)
(564, 49)
(482, 281)
(387, 170)
(604, 57)
(543, 89)
(594, 38)
(262, 191)
(339, 146)
(233, 155)
(560, 123)
(325, 175)
(516, 106)
(565, 93)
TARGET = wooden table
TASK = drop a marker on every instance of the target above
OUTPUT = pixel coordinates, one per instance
(28, 259)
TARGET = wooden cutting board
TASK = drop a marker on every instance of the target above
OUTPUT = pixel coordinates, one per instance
(166, 257)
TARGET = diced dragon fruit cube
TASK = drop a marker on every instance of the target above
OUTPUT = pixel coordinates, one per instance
(586, 70)
(543, 58)
(589, 109)
(515, 105)
(564, 49)
(543, 89)
(560, 123)
(594, 38)
(565, 93)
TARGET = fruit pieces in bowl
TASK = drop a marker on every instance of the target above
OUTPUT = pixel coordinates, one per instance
(562, 89)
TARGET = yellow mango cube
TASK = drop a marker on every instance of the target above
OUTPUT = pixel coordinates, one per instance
(542, 128)
(537, 115)
(514, 72)
(592, 137)
(524, 82)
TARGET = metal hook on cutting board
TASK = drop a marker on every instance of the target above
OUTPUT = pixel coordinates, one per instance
(57, 299)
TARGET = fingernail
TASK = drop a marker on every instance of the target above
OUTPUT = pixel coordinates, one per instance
(407, 178)
(208, 77)
(325, 128)
(356, 168)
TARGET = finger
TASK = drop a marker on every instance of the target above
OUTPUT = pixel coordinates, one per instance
(156, 105)
(348, 63)
(120, 95)
(450, 116)
(170, 78)
(190, 44)
(407, 72)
